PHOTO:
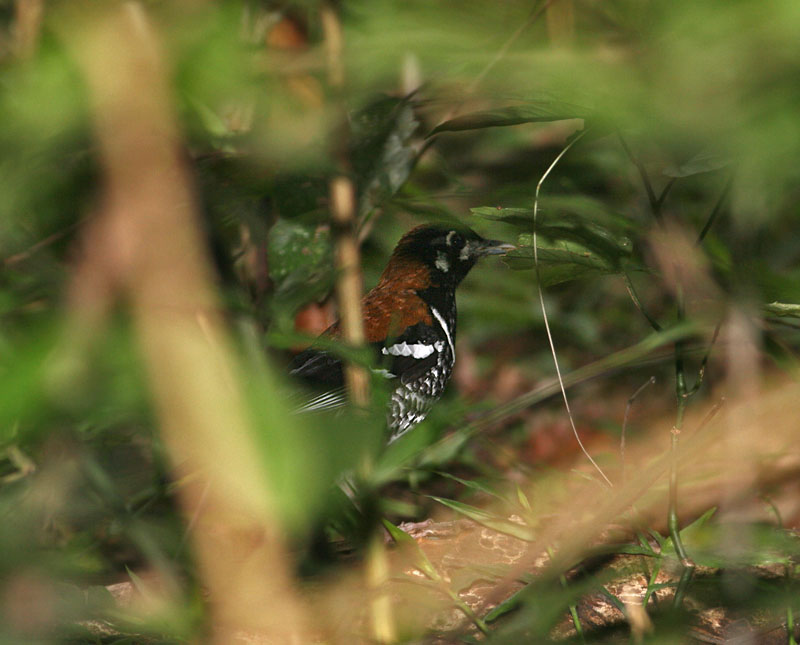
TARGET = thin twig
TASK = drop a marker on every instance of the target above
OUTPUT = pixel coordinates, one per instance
(453, 111)
(663, 196)
(701, 373)
(628, 405)
(655, 206)
(638, 303)
(21, 256)
(710, 415)
(717, 208)
(532, 18)
(544, 309)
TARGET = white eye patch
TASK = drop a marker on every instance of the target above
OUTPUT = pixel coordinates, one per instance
(465, 252)
(449, 238)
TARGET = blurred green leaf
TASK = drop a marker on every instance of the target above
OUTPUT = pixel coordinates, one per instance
(514, 601)
(704, 161)
(298, 252)
(420, 559)
(489, 520)
(613, 246)
(471, 484)
(782, 309)
(535, 112)
(381, 154)
(557, 265)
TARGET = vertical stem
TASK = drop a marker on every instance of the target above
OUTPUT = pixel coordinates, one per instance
(27, 26)
(655, 203)
(683, 585)
(349, 289)
(623, 434)
(381, 614)
(681, 394)
(148, 238)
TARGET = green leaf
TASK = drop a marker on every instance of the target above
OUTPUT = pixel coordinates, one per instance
(557, 265)
(508, 605)
(580, 220)
(782, 309)
(471, 484)
(488, 520)
(523, 499)
(703, 161)
(536, 112)
(299, 253)
(422, 562)
(381, 154)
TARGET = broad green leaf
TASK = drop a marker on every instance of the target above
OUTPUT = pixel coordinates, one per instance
(536, 112)
(488, 520)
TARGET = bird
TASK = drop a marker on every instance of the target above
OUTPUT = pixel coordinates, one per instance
(410, 321)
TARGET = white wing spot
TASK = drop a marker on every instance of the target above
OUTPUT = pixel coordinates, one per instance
(415, 350)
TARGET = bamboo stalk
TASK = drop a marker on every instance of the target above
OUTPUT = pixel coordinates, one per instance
(150, 223)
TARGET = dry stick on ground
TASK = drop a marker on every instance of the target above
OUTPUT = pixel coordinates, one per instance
(149, 227)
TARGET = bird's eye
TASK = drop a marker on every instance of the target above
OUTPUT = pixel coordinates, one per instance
(455, 239)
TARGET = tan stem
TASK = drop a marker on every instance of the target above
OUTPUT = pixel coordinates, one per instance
(149, 228)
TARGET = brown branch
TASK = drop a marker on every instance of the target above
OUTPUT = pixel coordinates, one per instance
(349, 283)
(151, 245)
(27, 26)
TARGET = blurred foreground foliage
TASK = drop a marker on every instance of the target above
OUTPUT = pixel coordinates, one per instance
(680, 192)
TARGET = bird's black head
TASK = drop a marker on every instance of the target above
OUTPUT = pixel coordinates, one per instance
(448, 253)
